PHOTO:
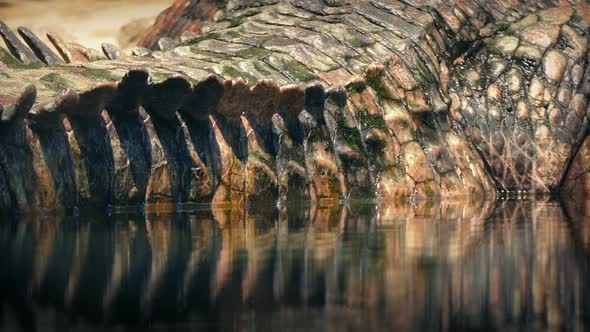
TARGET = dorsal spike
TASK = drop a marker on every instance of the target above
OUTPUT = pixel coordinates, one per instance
(8, 59)
(89, 53)
(235, 92)
(265, 98)
(16, 47)
(141, 51)
(166, 43)
(12, 121)
(292, 99)
(337, 95)
(68, 53)
(291, 104)
(130, 91)
(315, 96)
(163, 99)
(111, 51)
(51, 115)
(94, 100)
(39, 48)
(205, 98)
(20, 107)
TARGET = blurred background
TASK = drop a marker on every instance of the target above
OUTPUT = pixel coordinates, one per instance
(89, 22)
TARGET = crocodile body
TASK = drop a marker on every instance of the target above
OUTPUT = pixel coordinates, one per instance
(184, 18)
(400, 101)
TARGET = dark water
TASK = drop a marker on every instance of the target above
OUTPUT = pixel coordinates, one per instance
(515, 265)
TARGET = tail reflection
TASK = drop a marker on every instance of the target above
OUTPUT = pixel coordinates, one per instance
(443, 267)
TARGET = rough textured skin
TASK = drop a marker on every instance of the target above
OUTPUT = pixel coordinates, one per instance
(183, 17)
(401, 101)
(522, 100)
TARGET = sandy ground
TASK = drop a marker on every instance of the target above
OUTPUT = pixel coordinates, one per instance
(89, 22)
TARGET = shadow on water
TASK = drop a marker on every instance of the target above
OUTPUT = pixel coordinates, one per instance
(515, 265)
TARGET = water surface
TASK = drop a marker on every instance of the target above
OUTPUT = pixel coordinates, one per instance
(513, 265)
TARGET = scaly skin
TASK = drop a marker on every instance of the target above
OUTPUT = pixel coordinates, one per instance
(183, 18)
(522, 99)
(404, 118)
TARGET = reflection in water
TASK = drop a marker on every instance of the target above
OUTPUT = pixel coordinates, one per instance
(452, 267)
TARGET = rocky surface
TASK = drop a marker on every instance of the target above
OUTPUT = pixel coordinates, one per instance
(395, 101)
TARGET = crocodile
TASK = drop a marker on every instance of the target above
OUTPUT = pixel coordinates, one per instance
(184, 19)
(397, 101)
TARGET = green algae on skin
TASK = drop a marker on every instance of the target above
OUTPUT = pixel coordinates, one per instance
(56, 82)
(100, 74)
